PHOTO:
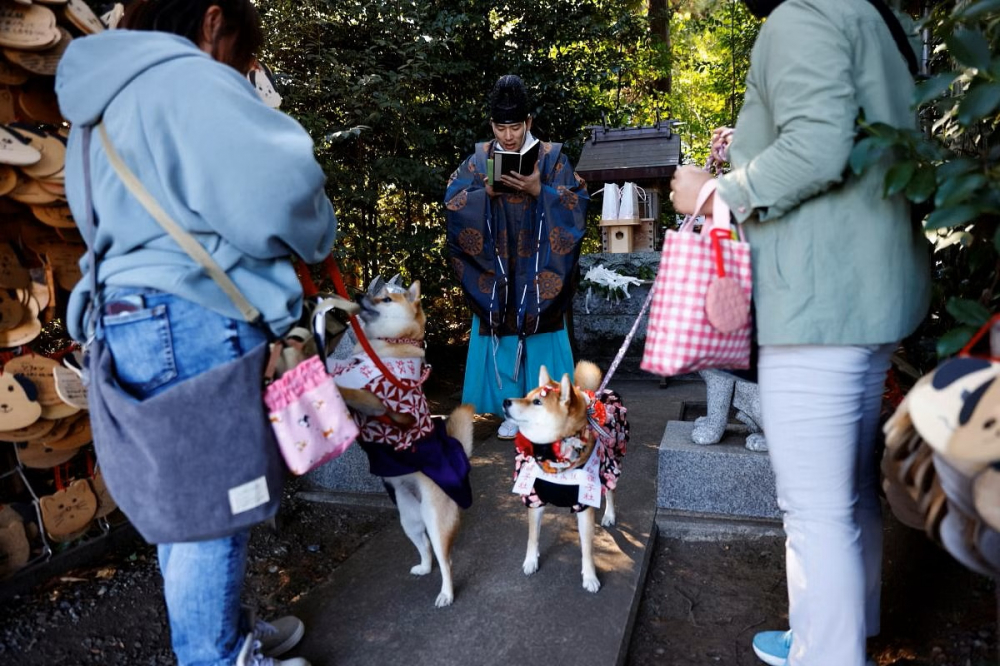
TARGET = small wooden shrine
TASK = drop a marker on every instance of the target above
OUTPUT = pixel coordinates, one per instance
(646, 156)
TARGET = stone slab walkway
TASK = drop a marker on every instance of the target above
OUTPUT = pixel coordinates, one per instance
(374, 613)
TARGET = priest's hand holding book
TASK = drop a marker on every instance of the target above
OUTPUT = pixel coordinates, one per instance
(513, 171)
(515, 182)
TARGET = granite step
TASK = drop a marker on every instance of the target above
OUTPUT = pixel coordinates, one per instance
(372, 612)
(723, 479)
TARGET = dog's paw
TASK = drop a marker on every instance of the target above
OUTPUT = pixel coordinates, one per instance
(530, 565)
(591, 584)
(444, 599)
(609, 519)
(421, 569)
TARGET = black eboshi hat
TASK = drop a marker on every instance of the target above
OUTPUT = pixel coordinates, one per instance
(509, 100)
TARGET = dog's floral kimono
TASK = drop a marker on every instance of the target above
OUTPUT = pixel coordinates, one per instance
(610, 445)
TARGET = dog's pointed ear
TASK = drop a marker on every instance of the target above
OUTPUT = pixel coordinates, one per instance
(413, 293)
(396, 280)
(543, 376)
(565, 390)
(376, 285)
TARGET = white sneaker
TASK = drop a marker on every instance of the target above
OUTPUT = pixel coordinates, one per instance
(507, 430)
(250, 656)
(278, 636)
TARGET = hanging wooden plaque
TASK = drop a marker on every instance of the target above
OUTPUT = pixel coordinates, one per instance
(31, 27)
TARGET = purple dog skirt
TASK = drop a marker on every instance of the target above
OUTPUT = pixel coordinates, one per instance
(437, 455)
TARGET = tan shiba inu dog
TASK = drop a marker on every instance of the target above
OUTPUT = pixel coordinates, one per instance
(565, 429)
(397, 432)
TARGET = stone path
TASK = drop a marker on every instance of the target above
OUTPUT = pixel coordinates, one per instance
(373, 612)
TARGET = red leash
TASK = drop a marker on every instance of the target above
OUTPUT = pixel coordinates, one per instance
(309, 288)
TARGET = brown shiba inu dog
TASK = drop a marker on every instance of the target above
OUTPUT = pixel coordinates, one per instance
(570, 446)
(424, 465)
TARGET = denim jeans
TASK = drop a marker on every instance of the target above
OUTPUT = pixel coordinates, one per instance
(158, 340)
(820, 407)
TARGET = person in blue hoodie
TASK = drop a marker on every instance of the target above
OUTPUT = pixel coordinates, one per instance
(239, 177)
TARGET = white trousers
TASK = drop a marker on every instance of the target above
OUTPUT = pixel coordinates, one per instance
(820, 407)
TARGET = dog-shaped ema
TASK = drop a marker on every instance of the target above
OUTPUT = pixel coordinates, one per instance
(19, 406)
(423, 463)
(570, 446)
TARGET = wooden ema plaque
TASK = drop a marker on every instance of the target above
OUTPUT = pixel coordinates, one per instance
(11, 75)
(40, 456)
(29, 329)
(54, 187)
(8, 180)
(105, 503)
(15, 150)
(21, 409)
(37, 102)
(83, 17)
(75, 434)
(15, 550)
(44, 62)
(52, 148)
(8, 106)
(64, 260)
(59, 217)
(30, 191)
(27, 27)
(39, 370)
(29, 433)
(67, 513)
(11, 309)
(12, 274)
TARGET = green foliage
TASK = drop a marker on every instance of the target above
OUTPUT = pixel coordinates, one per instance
(395, 94)
(711, 44)
(952, 163)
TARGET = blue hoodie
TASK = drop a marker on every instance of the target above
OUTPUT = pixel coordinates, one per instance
(238, 176)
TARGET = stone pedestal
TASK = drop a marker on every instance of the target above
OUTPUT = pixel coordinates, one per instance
(600, 325)
(347, 474)
(723, 479)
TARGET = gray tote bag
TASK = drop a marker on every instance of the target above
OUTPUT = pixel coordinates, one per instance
(198, 460)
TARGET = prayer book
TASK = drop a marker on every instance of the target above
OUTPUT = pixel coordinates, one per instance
(513, 161)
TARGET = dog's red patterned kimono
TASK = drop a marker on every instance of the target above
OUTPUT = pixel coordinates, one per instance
(606, 436)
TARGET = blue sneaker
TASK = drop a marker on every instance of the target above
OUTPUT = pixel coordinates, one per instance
(772, 647)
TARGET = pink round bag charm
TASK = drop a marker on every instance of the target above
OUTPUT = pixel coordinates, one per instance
(726, 305)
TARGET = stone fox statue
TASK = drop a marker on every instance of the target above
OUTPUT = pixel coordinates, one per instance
(723, 390)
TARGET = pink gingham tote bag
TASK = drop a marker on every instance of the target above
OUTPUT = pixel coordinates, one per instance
(681, 338)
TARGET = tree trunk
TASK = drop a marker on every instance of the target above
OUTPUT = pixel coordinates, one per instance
(659, 31)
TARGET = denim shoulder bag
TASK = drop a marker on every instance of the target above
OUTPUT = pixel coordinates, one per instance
(197, 461)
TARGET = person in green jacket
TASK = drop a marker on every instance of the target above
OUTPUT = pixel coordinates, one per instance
(841, 275)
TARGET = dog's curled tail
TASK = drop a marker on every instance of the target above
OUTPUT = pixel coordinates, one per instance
(460, 424)
(587, 376)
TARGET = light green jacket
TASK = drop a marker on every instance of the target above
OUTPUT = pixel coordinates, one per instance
(834, 262)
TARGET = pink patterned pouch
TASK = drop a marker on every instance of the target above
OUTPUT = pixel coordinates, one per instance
(308, 416)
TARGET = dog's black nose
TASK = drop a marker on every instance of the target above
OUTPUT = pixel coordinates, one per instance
(506, 402)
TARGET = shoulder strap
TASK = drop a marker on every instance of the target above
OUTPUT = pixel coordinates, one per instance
(89, 229)
(193, 248)
(898, 35)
